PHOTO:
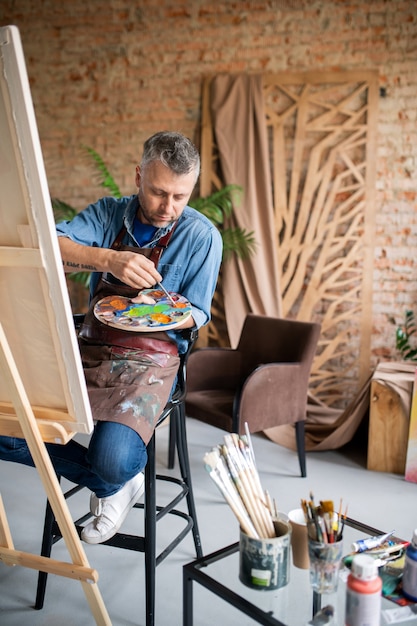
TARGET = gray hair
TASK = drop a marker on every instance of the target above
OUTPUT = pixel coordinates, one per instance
(174, 150)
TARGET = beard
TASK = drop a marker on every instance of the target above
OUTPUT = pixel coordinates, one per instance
(146, 217)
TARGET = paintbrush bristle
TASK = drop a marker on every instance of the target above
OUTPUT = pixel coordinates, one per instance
(326, 506)
(212, 458)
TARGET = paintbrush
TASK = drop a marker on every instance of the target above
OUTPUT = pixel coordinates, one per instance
(255, 482)
(234, 454)
(337, 525)
(218, 472)
(314, 523)
(168, 295)
(340, 532)
(239, 452)
(249, 440)
(306, 511)
(327, 512)
(243, 489)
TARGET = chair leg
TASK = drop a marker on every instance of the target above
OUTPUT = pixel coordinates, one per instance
(150, 533)
(51, 534)
(47, 543)
(172, 442)
(184, 463)
(300, 439)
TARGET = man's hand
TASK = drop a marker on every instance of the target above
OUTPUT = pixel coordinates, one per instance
(136, 270)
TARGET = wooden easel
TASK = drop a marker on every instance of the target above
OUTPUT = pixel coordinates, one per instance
(43, 396)
(79, 569)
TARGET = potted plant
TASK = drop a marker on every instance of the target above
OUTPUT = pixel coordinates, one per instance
(403, 334)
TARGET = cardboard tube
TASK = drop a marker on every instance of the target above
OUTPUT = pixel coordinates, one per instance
(299, 543)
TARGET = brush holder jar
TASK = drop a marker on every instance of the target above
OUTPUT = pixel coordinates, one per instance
(264, 564)
(325, 561)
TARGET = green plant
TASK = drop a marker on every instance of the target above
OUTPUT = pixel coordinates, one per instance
(105, 179)
(217, 207)
(403, 334)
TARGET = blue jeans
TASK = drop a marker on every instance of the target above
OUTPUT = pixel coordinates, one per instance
(115, 454)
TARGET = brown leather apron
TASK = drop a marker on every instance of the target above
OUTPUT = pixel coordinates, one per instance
(129, 374)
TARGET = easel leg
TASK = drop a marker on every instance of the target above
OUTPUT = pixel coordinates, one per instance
(80, 567)
(5, 535)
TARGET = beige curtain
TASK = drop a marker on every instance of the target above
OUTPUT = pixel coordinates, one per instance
(238, 118)
(325, 428)
(328, 429)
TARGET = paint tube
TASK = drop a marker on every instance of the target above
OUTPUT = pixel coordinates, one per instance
(402, 614)
(371, 542)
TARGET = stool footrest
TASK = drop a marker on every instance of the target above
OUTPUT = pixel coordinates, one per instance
(136, 542)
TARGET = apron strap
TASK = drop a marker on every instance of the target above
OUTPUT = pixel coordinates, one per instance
(155, 253)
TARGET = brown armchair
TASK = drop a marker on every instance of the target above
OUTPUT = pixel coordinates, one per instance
(263, 382)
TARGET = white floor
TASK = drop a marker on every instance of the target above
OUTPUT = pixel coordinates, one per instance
(381, 500)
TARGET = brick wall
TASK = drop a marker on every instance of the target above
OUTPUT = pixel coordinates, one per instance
(109, 73)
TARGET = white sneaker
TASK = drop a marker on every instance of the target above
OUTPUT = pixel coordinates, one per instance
(111, 512)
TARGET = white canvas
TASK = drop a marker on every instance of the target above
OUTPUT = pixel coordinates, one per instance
(35, 311)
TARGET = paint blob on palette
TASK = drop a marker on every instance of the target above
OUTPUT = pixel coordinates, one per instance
(122, 313)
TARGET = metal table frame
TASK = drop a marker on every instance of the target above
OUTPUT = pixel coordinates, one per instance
(193, 572)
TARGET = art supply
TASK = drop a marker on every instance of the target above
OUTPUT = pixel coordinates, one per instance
(165, 314)
(323, 523)
(400, 614)
(299, 543)
(325, 559)
(382, 554)
(264, 564)
(265, 534)
(371, 542)
(219, 473)
(363, 593)
(249, 440)
(410, 570)
(168, 295)
(325, 543)
(383, 551)
(232, 468)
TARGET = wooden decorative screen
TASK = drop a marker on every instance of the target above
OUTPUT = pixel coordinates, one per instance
(322, 137)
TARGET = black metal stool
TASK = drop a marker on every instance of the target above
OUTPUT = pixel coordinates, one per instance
(146, 543)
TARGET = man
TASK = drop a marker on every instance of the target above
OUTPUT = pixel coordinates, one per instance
(131, 244)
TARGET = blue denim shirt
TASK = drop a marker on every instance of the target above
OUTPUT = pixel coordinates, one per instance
(189, 265)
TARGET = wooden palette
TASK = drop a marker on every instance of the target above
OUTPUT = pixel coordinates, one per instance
(120, 312)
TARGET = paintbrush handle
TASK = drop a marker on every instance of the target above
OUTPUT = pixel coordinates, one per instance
(252, 506)
(234, 504)
(168, 295)
(238, 455)
(261, 507)
(244, 490)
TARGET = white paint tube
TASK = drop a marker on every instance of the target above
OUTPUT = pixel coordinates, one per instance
(402, 614)
(371, 542)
